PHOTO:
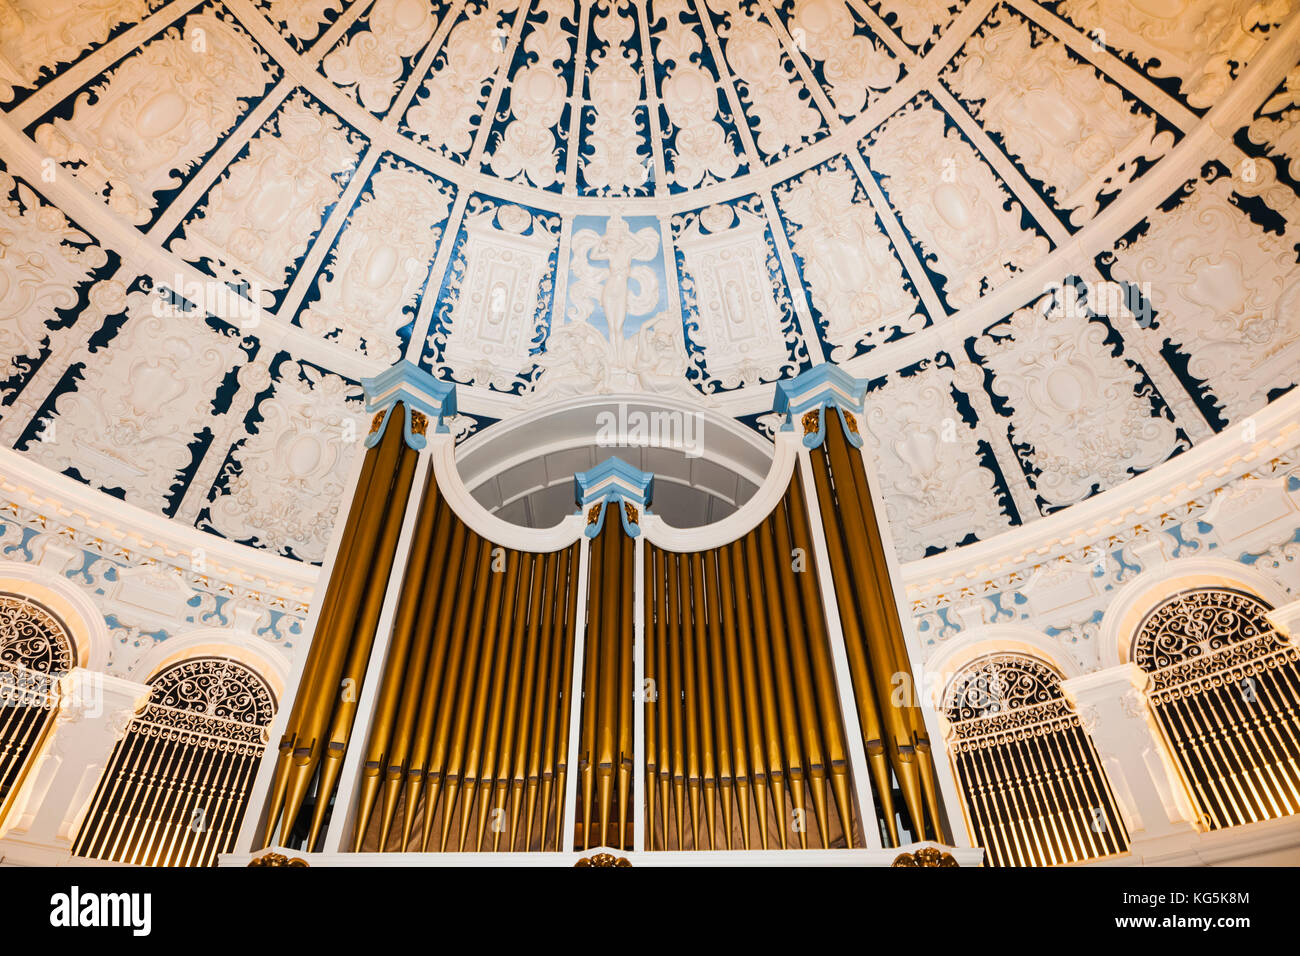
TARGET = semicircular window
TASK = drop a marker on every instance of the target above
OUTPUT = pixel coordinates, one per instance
(35, 652)
(175, 789)
(1032, 786)
(1224, 687)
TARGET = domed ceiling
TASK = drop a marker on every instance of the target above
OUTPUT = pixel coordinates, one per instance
(1059, 238)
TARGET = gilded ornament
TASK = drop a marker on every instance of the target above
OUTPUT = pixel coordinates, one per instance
(926, 856)
(603, 859)
(278, 859)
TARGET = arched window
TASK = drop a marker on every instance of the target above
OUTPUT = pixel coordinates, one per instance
(176, 786)
(1225, 686)
(35, 651)
(1034, 792)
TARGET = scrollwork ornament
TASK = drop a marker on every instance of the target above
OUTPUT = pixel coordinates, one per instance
(216, 688)
(32, 637)
(1199, 623)
(1000, 683)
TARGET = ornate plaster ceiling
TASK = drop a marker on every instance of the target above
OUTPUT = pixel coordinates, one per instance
(1060, 238)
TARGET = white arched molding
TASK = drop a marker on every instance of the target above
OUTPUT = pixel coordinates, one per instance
(1132, 603)
(269, 662)
(741, 521)
(441, 450)
(70, 605)
(572, 423)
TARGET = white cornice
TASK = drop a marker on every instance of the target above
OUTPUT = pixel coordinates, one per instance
(122, 529)
(1180, 481)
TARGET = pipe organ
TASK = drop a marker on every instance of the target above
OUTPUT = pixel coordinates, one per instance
(467, 734)
(610, 682)
(605, 745)
(745, 721)
(893, 729)
(310, 753)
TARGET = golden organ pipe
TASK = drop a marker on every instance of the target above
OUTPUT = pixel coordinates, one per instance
(518, 698)
(710, 741)
(733, 768)
(650, 689)
(607, 644)
(334, 637)
(361, 641)
(440, 669)
(875, 599)
(744, 640)
(818, 638)
(424, 668)
(475, 653)
(852, 620)
(663, 703)
(556, 724)
(556, 694)
(678, 721)
(870, 527)
(527, 756)
(730, 729)
(481, 766)
(597, 598)
(747, 702)
(326, 656)
(466, 752)
(310, 678)
(626, 676)
(690, 692)
(665, 706)
(797, 631)
(772, 704)
(395, 667)
(781, 667)
(458, 673)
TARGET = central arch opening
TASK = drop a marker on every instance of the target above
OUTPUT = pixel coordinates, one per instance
(705, 465)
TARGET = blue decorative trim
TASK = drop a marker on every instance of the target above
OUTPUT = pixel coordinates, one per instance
(822, 386)
(417, 390)
(613, 480)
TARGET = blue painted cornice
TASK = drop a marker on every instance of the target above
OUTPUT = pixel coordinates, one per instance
(808, 395)
(613, 480)
(423, 397)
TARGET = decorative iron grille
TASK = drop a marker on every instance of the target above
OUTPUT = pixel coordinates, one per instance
(1034, 791)
(1224, 688)
(35, 652)
(176, 786)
